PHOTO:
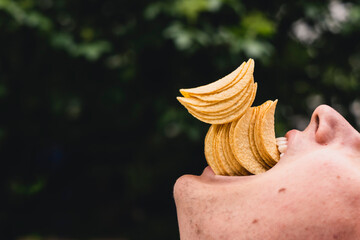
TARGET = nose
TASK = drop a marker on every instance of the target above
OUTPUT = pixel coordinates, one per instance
(330, 126)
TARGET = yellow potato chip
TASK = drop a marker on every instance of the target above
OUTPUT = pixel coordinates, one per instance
(228, 117)
(223, 107)
(209, 151)
(204, 106)
(241, 146)
(251, 138)
(220, 163)
(267, 136)
(231, 134)
(258, 133)
(229, 92)
(214, 86)
(219, 147)
(235, 165)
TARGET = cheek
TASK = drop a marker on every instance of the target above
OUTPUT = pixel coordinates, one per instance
(324, 180)
(314, 193)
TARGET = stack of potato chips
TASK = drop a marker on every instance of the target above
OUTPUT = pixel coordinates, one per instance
(241, 139)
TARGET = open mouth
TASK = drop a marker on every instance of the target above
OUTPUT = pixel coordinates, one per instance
(281, 143)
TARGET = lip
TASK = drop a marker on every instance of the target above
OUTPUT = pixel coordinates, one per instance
(291, 135)
(208, 172)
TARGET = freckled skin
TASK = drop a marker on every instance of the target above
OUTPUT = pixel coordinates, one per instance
(312, 193)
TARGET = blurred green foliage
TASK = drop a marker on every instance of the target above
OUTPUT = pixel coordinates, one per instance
(92, 138)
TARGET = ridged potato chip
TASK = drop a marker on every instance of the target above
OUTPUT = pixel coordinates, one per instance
(241, 146)
(258, 138)
(209, 152)
(203, 106)
(221, 106)
(251, 137)
(228, 116)
(265, 136)
(215, 102)
(235, 164)
(214, 86)
(239, 84)
(219, 147)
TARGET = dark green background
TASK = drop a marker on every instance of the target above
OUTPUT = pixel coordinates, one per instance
(92, 138)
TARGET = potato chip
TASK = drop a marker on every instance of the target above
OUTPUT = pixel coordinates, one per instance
(232, 90)
(258, 134)
(228, 117)
(217, 85)
(266, 135)
(214, 106)
(251, 138)
(236, 166)
(221, 106)
(241, 146)
(209, 151)
(218, 102)
(219, 147)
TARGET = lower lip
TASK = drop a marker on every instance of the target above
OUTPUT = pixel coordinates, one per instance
(208, 172)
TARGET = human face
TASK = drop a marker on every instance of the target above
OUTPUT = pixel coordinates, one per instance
(312, 193)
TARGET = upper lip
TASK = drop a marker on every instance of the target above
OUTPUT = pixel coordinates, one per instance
(290, 134)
